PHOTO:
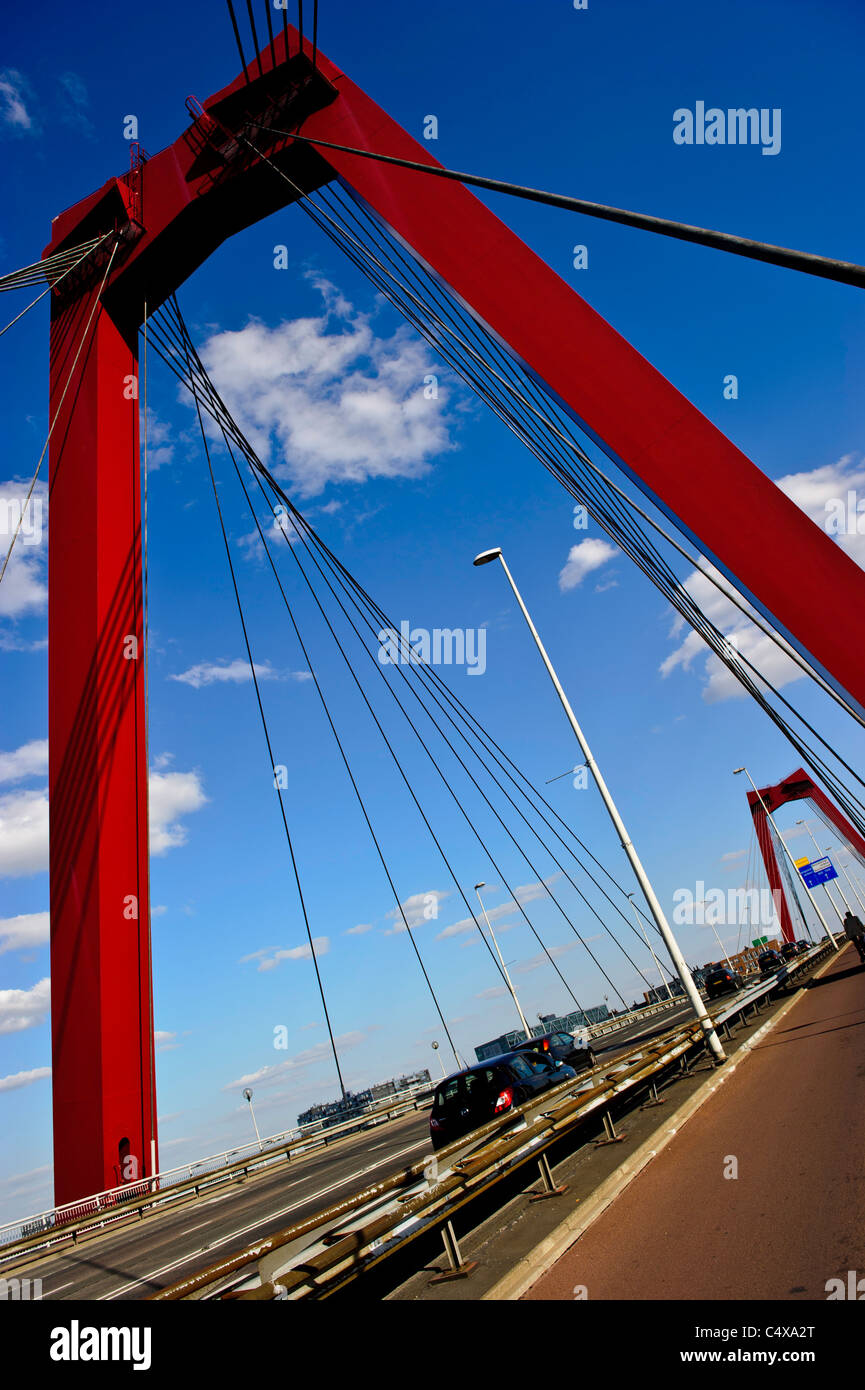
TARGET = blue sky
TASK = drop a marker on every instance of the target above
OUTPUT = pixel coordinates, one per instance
(406, 492)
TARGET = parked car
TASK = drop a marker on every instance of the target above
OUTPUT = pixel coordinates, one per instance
(473, 1097)
(720, 979)
(769, 961)
(571, 1048)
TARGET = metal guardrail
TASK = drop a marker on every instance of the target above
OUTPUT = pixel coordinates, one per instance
(63, 1224)
(316, 1257)
(66, 1224)
(611, 1025)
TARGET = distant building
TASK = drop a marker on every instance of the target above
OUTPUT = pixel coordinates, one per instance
(550, 1023)
(336, 1112)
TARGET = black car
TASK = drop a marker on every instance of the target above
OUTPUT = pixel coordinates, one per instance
(562, 1047)
(720, 979)
(790, 950)
(473, 1097)
(769, 961)
(803, 947)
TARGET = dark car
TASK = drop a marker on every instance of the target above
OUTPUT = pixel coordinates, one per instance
(769, 961)
(562, 1047)
(720, 979)
(473, 1097)
(790, 950)
(803, 947)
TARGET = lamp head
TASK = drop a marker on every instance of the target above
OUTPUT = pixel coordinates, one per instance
(486, 556)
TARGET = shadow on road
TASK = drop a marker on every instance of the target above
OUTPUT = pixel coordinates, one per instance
(836, 975)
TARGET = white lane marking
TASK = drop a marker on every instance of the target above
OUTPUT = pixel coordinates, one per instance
(59, 1287)
(223, 1240)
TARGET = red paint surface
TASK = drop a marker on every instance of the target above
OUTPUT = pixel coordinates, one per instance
(797, 787)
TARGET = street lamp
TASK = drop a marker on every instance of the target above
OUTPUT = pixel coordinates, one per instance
(435, 1048)
(785, 847)
(853, 887)
(528, 1031)
(247, 1095)
(691, 991)
(649, 944)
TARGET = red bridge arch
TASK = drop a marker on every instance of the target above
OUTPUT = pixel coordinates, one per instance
(171, 213)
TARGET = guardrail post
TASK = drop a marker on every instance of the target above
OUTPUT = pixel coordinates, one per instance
(656, 1099)
(612, 1136)
(550, 1188)
(457, 1270)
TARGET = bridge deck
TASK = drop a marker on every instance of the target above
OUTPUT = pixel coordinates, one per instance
(793, 1116)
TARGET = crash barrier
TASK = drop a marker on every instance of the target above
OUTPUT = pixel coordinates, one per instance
(69, 1223)
(319, 1256)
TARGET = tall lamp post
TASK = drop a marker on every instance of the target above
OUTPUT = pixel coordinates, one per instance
(435, 1048)
(853, 889)
(247, 1096)
(528, 1031)
(691, 991)
(649, 944)
(785, 847)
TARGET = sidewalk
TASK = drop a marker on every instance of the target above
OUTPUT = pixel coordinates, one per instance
(791, 1123)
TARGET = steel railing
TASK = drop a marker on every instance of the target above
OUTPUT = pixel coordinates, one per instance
(314, 1258)
(65, 1224)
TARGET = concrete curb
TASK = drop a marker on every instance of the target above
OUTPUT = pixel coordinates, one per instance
(531, 1267)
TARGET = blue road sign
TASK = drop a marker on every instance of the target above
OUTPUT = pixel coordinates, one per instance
(820, 871)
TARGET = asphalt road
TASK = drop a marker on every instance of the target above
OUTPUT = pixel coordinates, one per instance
(793, 1119)
(134, 1262)
(137, 1260)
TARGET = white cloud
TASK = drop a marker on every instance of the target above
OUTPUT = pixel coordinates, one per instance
(331, 400)
(172, 795)
(25, 932)
(23, 1078)
(24, 1008)
(813, 492)
(13, 91)
(160, 442)
(75, 103)
(165, 1042)
(24, 818)
(419, 908)
(526, 893)
(588, 555)
(271, 956)
(233, 672)
(23, 833)
(30, 760)
(359, 930)
(271, 1075)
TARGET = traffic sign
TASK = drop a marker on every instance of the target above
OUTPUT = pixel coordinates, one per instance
(820, 871)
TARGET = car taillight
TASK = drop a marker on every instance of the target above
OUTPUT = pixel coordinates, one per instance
(546, 1045)
(505, 1100)
(434, 1124)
